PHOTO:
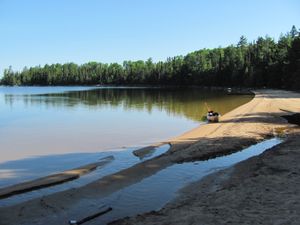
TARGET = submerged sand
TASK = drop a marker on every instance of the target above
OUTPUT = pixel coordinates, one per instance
(246, 125)
(53, 179)
(261, 190)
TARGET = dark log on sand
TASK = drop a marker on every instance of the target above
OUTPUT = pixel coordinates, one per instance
(88, 218)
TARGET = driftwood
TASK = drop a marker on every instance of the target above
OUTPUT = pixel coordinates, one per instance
(88, 218)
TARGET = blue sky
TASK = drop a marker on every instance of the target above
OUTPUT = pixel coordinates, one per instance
(36, 32)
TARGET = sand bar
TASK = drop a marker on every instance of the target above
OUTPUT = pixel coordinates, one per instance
(54, 179)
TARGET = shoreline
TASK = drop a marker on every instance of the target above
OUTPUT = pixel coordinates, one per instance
(238, 129)
(263, 189)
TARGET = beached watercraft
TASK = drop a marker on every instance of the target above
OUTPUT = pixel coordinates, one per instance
(212, 116)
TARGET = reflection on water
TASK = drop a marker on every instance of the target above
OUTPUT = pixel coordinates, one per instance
(61, 120)
(175, 101)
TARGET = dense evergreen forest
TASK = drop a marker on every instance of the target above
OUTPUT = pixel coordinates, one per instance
(261, 63)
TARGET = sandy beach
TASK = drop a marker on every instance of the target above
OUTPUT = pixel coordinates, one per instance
(261, 190)
(222, 194)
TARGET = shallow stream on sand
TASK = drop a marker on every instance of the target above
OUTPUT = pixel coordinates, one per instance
(152, 193)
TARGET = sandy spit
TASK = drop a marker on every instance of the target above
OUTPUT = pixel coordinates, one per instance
(246, 125)
(54, 179)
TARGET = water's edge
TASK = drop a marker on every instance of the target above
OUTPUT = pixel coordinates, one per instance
(153, 192)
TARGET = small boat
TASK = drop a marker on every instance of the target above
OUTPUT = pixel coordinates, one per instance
(212, 116)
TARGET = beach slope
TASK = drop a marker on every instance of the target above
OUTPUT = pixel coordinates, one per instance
(261, 190)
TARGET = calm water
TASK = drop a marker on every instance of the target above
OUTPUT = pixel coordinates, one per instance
(36, 122)
(151, 193)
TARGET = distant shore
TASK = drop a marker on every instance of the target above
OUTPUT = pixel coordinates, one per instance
(246, 125)
(244, 90)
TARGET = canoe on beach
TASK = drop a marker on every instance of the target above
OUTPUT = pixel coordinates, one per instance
(213, 116)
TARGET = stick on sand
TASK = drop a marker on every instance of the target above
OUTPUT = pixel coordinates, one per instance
(88, 218)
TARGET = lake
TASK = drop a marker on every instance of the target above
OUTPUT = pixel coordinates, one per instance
(51, 121)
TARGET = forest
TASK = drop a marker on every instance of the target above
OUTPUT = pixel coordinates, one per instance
(260, 63)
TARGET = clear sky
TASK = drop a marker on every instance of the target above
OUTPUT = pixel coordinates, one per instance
(37, 32)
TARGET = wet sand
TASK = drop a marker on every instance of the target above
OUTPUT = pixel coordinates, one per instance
(238, 129)
(261, 190)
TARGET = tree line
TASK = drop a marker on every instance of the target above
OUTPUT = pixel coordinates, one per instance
(261, 63)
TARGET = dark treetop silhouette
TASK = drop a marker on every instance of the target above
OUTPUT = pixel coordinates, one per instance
(262, 63)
